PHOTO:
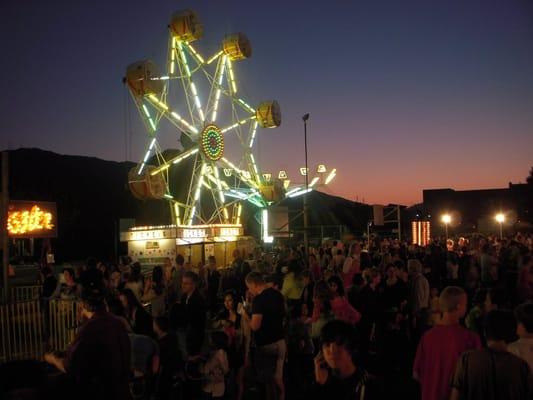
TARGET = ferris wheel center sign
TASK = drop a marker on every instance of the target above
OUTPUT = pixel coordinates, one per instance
(212, 142)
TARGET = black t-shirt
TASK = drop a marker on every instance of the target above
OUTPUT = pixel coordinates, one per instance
(49, 286)
(359, 386)
(271, 305)
(394, 295)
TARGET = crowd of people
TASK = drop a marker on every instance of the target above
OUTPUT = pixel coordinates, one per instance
(345, 320)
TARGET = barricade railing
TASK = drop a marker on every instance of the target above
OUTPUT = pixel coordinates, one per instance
(21, 293)
(21, 331)
(25, 293)
(29, 328)
(63, 320)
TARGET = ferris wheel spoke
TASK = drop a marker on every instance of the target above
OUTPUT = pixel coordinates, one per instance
(198, 58)
(151, 125)
(197, 193)
(212, 175)
(176, 59)
(231, 76)
(252, 135)
(214, 57)
(147, 117)
(172, 51)
(172, 116)
(238, 130)
(221, 194)
(175, 160)
(245, 106)
(217, 83)
(254, 168)
(237, 124)
(194, 91)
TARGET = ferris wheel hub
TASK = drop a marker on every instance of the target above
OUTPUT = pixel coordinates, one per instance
(212, 142)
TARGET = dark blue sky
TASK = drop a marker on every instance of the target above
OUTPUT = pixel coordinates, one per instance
(403, 95)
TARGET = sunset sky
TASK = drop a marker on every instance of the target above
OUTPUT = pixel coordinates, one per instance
(402, 95)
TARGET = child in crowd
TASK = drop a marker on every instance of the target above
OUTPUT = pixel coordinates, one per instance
(216, 367)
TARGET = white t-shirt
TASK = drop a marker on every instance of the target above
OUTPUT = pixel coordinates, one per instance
(348, 263)
(214, 370)
(523, 348)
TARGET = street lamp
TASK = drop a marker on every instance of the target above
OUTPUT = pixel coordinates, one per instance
(446, 219)
(500, 218)
(306, 238)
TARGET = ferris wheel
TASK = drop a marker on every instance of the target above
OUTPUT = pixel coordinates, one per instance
(200, 98)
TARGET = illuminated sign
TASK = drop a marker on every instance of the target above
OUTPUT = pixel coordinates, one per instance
(421, 232)
(148, 234)
(183, 234)
(194, 233)
(143, 235)
(229, 232)
(151, 245)
(27, 219)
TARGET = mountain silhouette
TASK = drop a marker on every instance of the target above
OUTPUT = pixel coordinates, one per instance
(92, 197)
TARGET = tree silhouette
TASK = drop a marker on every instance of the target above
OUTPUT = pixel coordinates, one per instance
(529, 179)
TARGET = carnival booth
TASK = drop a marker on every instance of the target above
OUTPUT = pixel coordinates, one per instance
(152, 245)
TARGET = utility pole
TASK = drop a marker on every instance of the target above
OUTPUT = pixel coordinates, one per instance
(399, 225)
(306, 235)
(3, 221)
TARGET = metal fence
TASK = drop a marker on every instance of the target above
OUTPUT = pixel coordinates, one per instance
(21, 335)
(318, 233)
(62, 322)
(29, 328)
(21, 293)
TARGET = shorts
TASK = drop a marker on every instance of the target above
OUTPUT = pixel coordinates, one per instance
(269, 360)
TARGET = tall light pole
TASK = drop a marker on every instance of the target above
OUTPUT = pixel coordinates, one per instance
(306, 237)
(446, 218)
(3, 223)
(500, 218)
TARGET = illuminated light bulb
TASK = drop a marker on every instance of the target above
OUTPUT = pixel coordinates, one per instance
(331, 175)
(446, 218)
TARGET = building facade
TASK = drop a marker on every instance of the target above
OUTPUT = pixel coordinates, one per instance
(475, 210)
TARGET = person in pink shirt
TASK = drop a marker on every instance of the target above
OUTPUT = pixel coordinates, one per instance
(339, 303)
(340, 307)
(440, 347)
